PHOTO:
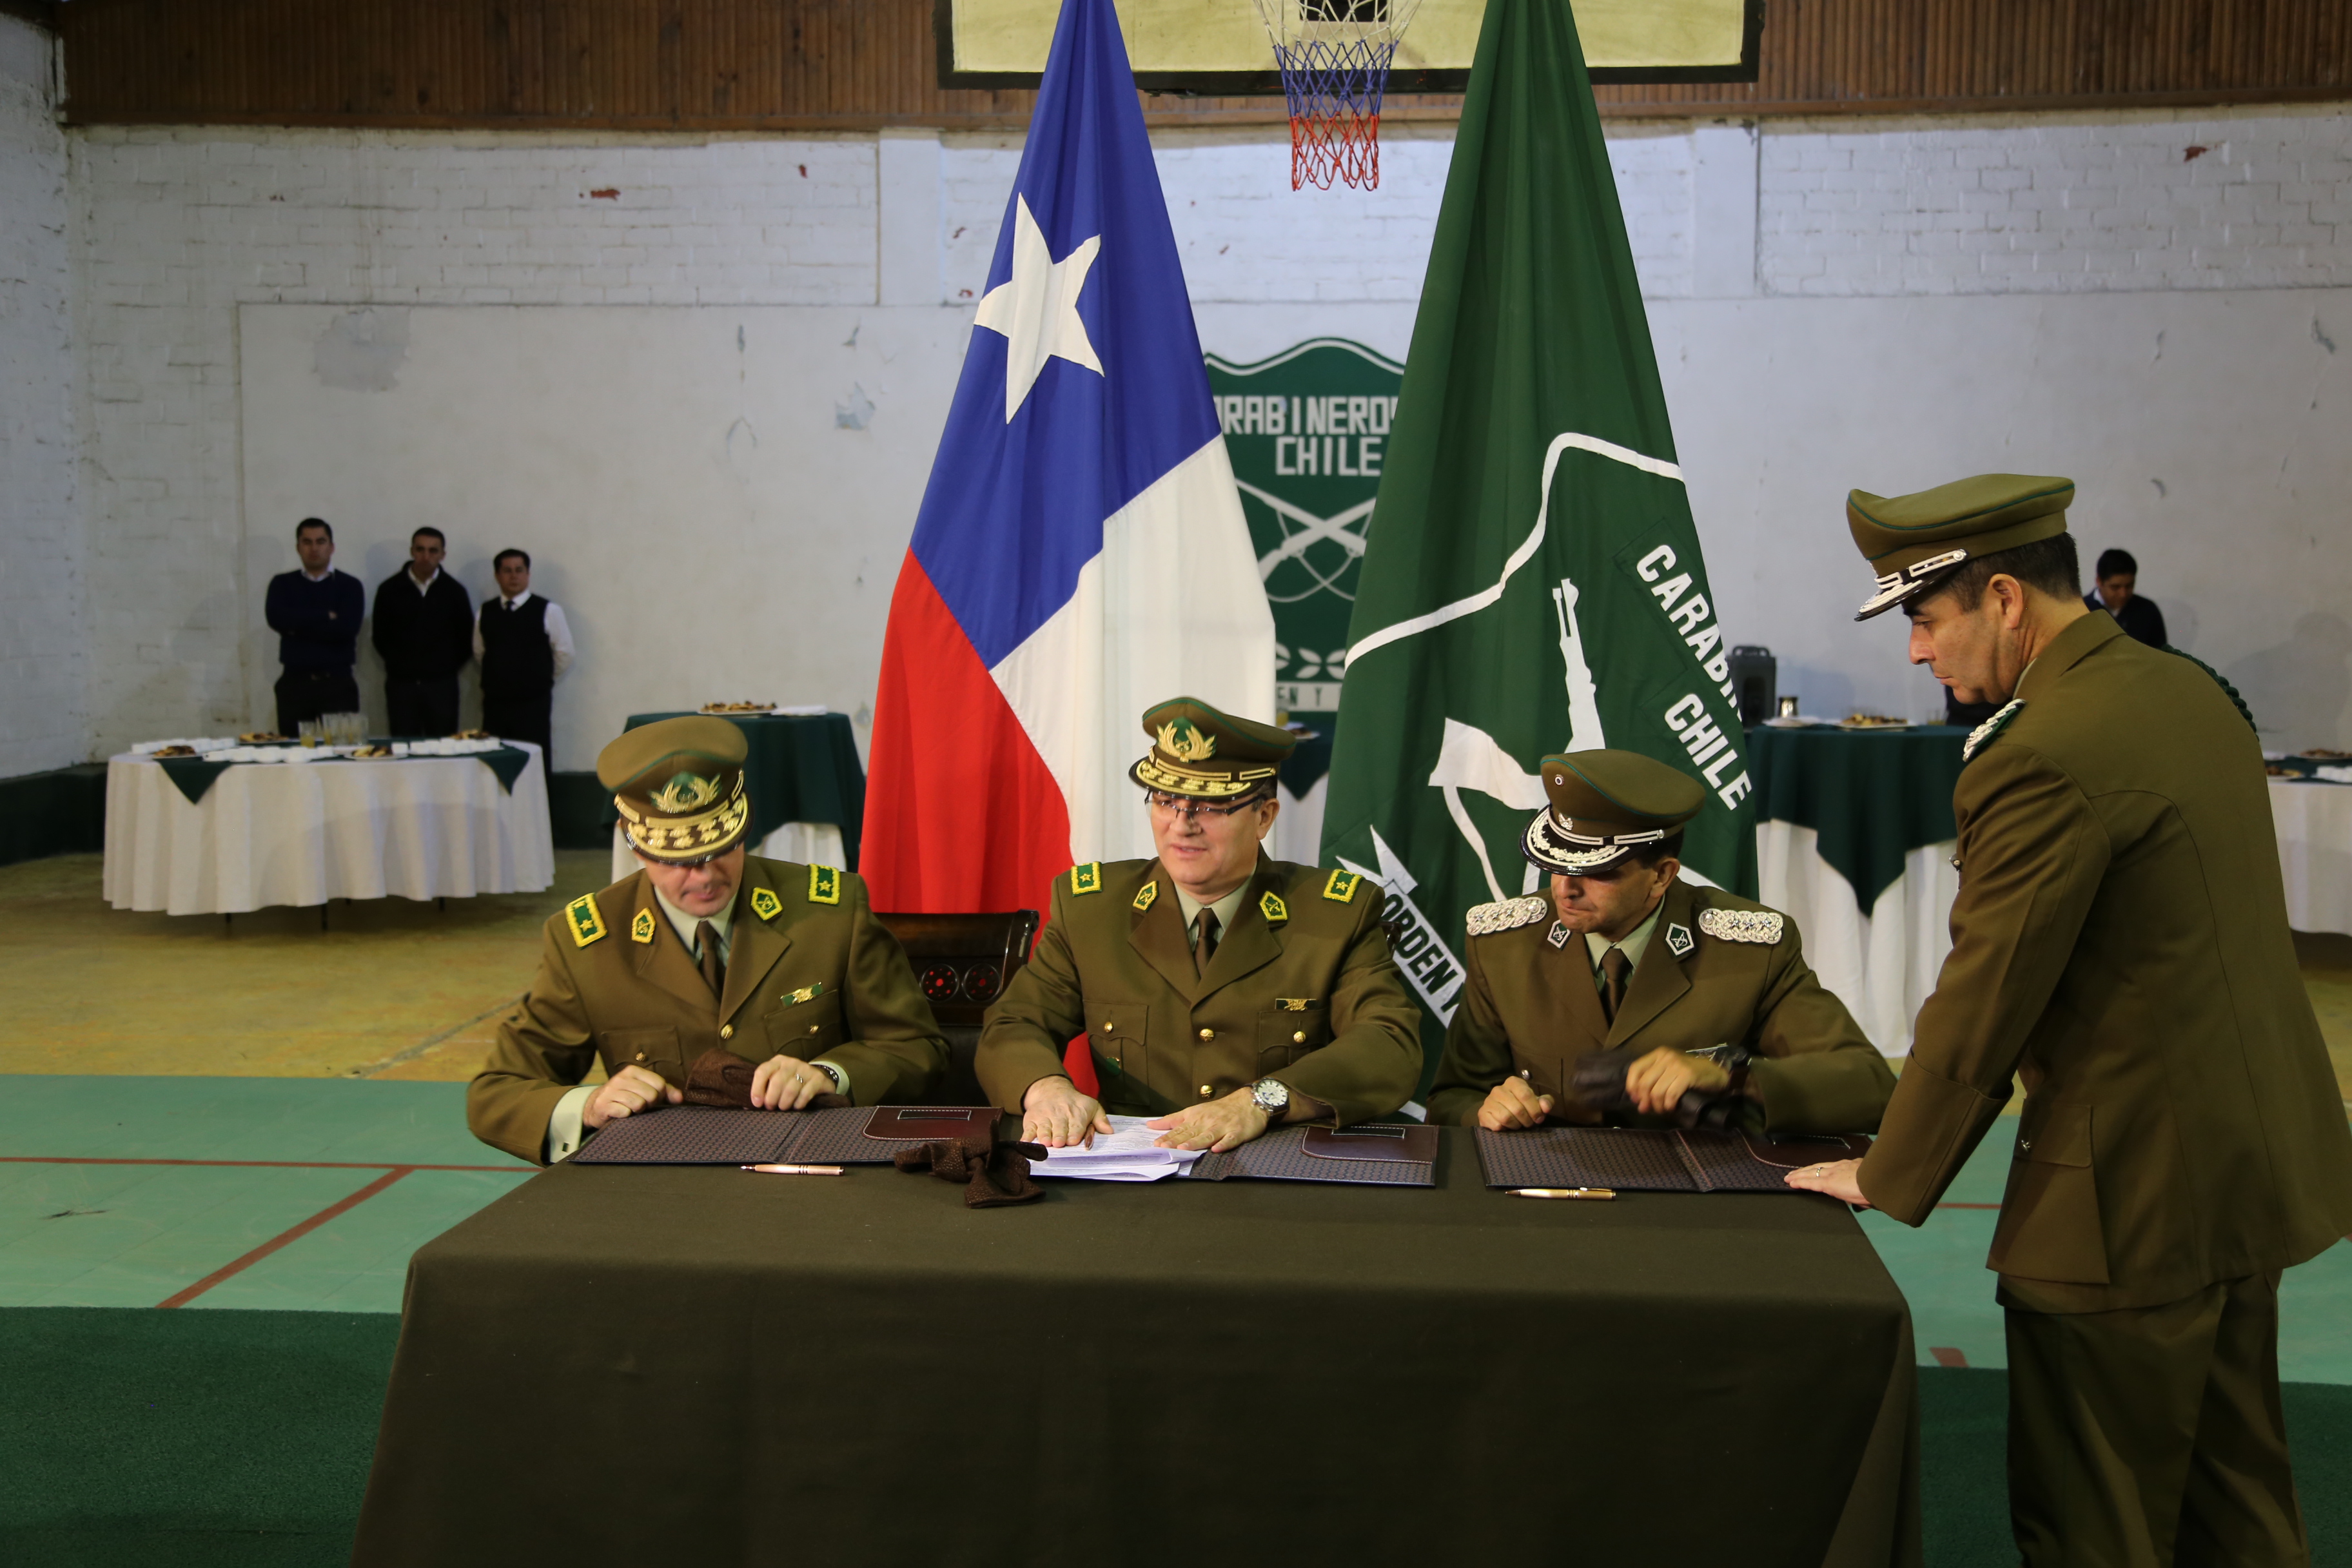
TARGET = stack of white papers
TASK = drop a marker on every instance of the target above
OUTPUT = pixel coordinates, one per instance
(1128, 1152)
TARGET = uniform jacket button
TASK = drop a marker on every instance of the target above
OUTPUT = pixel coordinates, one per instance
(1208, 1034)
(1205, 1091)
(813, 1028)
(1298, 1037)
(725, 1031)
(641, 1056)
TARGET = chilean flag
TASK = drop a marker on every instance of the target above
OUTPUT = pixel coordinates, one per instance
(1081, 552)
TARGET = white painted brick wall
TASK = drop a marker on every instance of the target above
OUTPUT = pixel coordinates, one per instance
(42, 647)
(2012, 205)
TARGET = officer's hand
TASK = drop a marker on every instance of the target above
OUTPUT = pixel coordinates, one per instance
(1220, 1125)
(1657, 1083)
(630, 1090)
(1512, 1103)
(1841, 1178)
(787, 1083)
(1056, 1114)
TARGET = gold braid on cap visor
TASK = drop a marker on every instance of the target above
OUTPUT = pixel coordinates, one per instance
(1155, 773)
(688, 838)
(1553, 841)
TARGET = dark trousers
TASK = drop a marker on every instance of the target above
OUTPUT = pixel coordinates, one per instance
(422, 708)
(304, 694)
(2150, 1436)
(522, 719)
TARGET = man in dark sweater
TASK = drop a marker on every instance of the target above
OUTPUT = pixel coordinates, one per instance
(525, 647)
(2117, 575)
(316, 613)
(424, 630)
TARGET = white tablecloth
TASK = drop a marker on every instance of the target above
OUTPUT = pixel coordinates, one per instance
(1882, 965)
(299, 834)
(810, 842)
(2314, 839)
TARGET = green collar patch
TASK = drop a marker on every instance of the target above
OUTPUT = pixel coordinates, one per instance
(642, 928)
(765, 904)
(586, 924)
(1275, 910)
(1150, 891)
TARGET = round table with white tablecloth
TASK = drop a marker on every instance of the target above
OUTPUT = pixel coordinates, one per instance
(300, 834)
(2314, 821)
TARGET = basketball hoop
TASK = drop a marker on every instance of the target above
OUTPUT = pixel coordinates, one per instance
(1335, 57)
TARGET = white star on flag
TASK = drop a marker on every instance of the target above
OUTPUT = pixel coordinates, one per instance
(1036, 309)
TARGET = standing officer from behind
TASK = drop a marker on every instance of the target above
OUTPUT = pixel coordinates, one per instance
(316, 613)
(1694, 1004)
(2120, 944)
(1223, 992)
(704, 949)
(425, 629)
(524, 646)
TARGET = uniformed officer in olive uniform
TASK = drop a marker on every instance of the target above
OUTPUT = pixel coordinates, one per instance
(2120, 944)
(1222, 990)
(1694, 988)
(782, 964)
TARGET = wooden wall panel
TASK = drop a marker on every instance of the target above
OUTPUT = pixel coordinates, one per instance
(799, 65)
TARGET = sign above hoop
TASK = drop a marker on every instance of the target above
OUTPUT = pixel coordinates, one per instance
(1219, 46)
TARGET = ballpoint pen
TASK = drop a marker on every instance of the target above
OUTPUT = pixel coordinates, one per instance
(1603, 1194)
(796, 1170)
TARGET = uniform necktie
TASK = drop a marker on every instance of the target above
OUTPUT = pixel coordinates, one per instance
(714, 971)
(1615, 967)
(1206, 948)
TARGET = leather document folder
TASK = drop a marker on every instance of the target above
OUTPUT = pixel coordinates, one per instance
(844, 1135)
(1375, 1154)
(1654, 1160)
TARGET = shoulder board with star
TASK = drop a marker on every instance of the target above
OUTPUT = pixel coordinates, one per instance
(1762, 927)
(1342, 887)
(1979, 737)
(1087, 879)
(825, 885)
(587, 925)
(1510, 914)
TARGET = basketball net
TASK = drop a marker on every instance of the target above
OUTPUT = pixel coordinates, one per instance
(1335, 57)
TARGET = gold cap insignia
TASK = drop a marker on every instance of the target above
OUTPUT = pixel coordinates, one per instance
(683, 793)
(642, 928)
(1181, 740)
(587, 925)
(1143, 899)
(765, 904)
(1275, 910)
(825, 885)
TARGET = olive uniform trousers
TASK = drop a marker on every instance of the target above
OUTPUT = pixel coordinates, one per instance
(2153, 1435)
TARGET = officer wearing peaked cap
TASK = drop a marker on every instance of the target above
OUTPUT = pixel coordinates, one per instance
(1697, 1002)
(706, 948)
(2120, 945)
(1222, 992)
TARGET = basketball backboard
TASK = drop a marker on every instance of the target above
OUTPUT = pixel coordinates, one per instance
(1219, 46)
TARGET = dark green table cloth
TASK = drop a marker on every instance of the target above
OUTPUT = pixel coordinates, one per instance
(802, 768)
(1872, 795)
(634, 1366)
(194, 777)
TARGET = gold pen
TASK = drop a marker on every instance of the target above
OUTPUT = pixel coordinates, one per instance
(1601, 1194)
(796, 1170)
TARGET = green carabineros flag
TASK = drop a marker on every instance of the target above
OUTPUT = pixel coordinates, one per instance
(1532, 580)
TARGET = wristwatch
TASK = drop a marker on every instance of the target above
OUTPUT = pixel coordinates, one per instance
(840, 1082)
(1272, 1096)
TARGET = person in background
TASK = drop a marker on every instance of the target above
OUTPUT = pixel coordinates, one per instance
(424, 630)
(316, 613)
(524, 647)
(2117, 577)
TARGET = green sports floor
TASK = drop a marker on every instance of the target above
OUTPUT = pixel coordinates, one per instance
(201, 1274)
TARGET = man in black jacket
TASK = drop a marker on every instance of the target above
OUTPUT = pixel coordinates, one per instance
(2118, 576)
(525, 646)
(316, 613)
(424, 630)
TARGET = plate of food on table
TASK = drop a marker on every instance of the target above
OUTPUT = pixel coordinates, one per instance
(1872, 721)
(738, 708)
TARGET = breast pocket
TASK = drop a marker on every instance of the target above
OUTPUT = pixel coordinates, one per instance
(804, 1029)
(1289, 1030)
(1120, 1033)
(2050, 1227)
(655, 1049)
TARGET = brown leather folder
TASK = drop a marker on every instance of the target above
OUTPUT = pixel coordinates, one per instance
(934, 1123)
(1400, 1145)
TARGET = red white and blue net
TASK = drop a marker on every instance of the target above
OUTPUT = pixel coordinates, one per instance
(1334, 56)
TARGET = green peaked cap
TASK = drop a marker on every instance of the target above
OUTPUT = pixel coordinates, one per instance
(1198, 751)
(1604, 805)
(1915, 542)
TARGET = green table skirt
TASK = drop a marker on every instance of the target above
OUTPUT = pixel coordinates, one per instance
(1873, 795)
(800, 769)
(630, 1365)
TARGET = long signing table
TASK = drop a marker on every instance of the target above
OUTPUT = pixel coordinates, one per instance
(303, 832)
(632, 1364)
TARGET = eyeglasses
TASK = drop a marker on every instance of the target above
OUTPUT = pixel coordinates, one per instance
(1181, 805)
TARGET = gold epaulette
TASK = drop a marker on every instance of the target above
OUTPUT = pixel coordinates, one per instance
(587, 924)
